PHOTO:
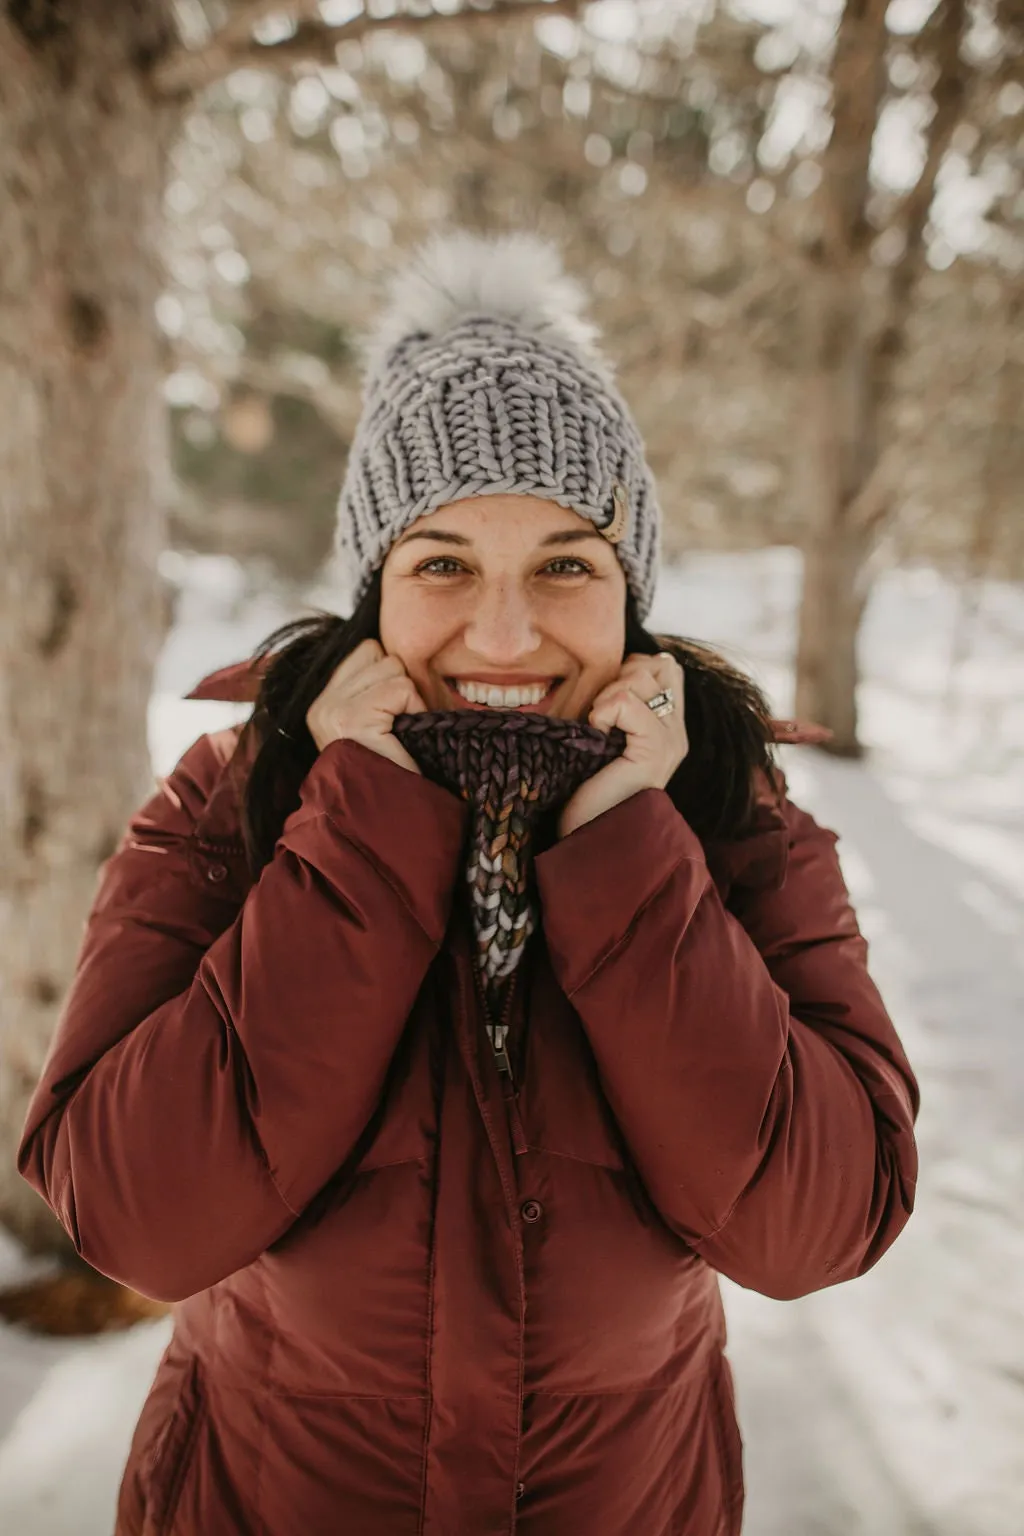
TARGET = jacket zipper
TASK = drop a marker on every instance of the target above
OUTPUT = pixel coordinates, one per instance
(498, 1035)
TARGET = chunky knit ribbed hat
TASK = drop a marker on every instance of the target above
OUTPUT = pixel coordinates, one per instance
(484, 377)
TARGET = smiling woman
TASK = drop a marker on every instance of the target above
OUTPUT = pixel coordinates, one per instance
(727, 722)
(505, 606)
(441, 1034)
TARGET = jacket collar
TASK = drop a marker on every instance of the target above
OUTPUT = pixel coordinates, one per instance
(236, 684)
(758, 860)
(240, 682)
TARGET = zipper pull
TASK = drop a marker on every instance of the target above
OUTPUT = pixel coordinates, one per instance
(498, 1036)
(511, 1094)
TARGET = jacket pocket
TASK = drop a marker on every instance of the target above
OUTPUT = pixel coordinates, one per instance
(174, 1453)
(729, 1443)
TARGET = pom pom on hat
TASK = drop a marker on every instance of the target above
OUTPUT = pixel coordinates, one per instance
(517, 276)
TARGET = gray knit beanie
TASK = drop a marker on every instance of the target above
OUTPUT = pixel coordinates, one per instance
(483, 377)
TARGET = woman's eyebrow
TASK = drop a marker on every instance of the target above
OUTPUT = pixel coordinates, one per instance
(436, 534)
(439, 536)
(573, 536)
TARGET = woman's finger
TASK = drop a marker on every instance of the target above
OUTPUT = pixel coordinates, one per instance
(366, 654)
(643, 681)
(666, 673)
(661, 670)
(380, 671)
(626, 709)
(387, 694)
(660, 740)
(412, 703)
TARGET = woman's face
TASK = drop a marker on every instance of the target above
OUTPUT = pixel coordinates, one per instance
(500, 593)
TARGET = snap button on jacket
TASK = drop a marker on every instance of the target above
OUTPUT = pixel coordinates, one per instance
(410, 1301)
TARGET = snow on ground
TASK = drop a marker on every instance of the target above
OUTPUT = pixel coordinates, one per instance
(891, 1406)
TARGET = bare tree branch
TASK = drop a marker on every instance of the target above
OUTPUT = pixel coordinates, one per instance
(337, 401)
(870, 507)
(858, 85)
(949, 93)
(187, 71)
(1004, 448)
(246, 14)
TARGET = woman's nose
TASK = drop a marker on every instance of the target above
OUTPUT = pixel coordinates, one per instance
(502, 628)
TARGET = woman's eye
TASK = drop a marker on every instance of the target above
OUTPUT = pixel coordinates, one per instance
(447, 565)
(430, 566)
(579, 567)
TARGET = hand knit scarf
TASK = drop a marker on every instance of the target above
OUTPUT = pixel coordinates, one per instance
(510, 766)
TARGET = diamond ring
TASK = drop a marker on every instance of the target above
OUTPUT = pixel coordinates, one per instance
(663, 703)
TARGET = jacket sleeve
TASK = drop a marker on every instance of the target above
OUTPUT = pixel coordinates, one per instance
(207, 1076)
(757, 1080)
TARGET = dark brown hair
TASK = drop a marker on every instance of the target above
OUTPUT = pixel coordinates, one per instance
(727, 720)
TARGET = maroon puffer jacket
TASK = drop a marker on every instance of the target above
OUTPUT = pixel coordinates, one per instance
(410, 1300)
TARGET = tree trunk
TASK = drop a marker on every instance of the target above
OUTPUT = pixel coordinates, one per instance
(852, 351)
(840, 448)
(83, 477)
(830, 616)
(838, 457)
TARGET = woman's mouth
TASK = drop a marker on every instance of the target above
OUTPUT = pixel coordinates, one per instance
(476, 693)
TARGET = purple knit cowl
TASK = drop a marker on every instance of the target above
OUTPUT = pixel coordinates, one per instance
(511, 767)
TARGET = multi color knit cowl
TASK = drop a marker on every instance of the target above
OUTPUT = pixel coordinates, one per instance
(511, 767)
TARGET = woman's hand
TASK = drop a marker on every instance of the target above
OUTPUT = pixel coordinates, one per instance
(655, 744)
(365, 693)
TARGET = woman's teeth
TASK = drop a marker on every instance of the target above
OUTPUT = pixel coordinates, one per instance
(500, 698)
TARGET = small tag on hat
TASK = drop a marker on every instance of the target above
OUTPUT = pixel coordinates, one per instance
(615, 530)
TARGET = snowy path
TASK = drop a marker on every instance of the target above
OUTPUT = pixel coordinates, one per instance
(67, 1412)
(893, 1406)
(910, 1382)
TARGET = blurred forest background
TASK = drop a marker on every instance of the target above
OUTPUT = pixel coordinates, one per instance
(801, 223)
